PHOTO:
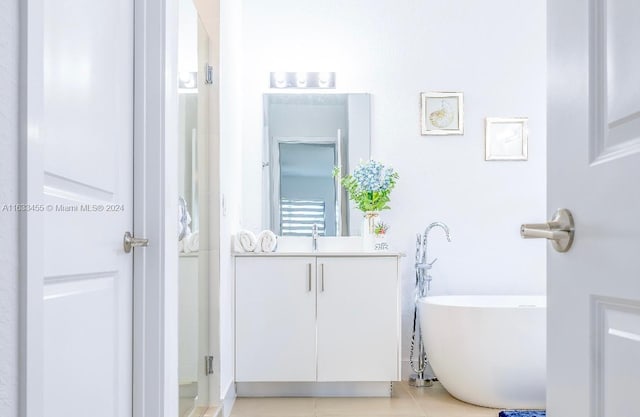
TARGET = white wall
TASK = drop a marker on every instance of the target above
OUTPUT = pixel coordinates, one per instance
(8, 195)
(187, 37)
(493, 51)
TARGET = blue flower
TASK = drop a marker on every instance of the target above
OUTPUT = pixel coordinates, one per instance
(370, 185)
(372, 176)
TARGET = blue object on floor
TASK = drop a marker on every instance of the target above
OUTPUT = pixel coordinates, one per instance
(522, 413)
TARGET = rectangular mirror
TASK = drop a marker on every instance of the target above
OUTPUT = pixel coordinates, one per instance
(306, 136)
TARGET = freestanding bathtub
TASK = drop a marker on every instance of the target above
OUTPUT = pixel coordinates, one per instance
(488, 350)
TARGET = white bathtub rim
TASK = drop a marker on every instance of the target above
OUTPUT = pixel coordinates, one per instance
(517, 301)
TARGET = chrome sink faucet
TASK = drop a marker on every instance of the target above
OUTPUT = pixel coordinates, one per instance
(314, 236)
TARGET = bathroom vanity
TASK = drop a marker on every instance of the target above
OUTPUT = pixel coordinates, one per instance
(318, 323)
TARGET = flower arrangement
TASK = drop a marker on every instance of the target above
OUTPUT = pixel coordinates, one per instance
(381, 229)
(370, 185)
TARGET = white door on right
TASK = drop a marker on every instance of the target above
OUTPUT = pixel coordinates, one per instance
(594, 171)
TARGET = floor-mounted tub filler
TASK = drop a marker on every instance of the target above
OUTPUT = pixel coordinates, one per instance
(417, 356)
(488, 350)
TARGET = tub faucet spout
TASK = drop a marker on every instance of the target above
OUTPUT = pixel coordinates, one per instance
(437, 224)
(425, 240)
(422, 263)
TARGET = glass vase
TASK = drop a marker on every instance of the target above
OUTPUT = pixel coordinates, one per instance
(368, 229)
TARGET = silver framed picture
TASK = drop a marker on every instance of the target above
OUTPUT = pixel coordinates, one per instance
(506, 138)
(441, 113)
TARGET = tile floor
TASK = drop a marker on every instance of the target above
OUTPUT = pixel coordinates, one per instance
(406, 401)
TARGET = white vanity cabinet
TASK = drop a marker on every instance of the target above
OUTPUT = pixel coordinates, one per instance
(275, 319)
(358, 326)
(320, 319)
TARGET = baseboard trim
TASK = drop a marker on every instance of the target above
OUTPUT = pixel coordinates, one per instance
(313, 389)
(210, 411)
(229, 399)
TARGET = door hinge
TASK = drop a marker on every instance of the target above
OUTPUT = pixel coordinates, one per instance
(208, 74)
(208, 365)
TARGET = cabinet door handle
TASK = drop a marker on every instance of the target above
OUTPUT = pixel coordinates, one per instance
(322, 277)
(308, 277)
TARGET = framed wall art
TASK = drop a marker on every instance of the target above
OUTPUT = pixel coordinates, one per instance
(441, 113)
(506, 139)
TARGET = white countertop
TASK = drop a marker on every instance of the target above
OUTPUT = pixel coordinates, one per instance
(360, 253)
(327, 246)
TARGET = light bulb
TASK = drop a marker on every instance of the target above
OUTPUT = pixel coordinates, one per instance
(324, 78)
(301, 79)
(280, 79)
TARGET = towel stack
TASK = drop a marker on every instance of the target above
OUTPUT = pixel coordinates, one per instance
(246, 241)
(189, 243)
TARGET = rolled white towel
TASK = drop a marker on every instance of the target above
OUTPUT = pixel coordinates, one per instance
(193, 242)
(184, 244)
(235, 242)
(245, 241)
(267, 241)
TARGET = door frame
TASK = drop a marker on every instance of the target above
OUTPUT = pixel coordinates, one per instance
(155, 378)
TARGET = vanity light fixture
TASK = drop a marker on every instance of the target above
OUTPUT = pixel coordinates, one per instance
(303, 80)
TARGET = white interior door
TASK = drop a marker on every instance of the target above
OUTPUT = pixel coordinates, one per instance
(594, 171)
(87, 150)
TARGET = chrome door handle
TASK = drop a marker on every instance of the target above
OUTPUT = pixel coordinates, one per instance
(309, 277)
(321, 277)
(129, 242)
(560, 230)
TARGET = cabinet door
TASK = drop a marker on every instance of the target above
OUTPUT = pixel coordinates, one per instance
(358, 319)
(275, 319)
